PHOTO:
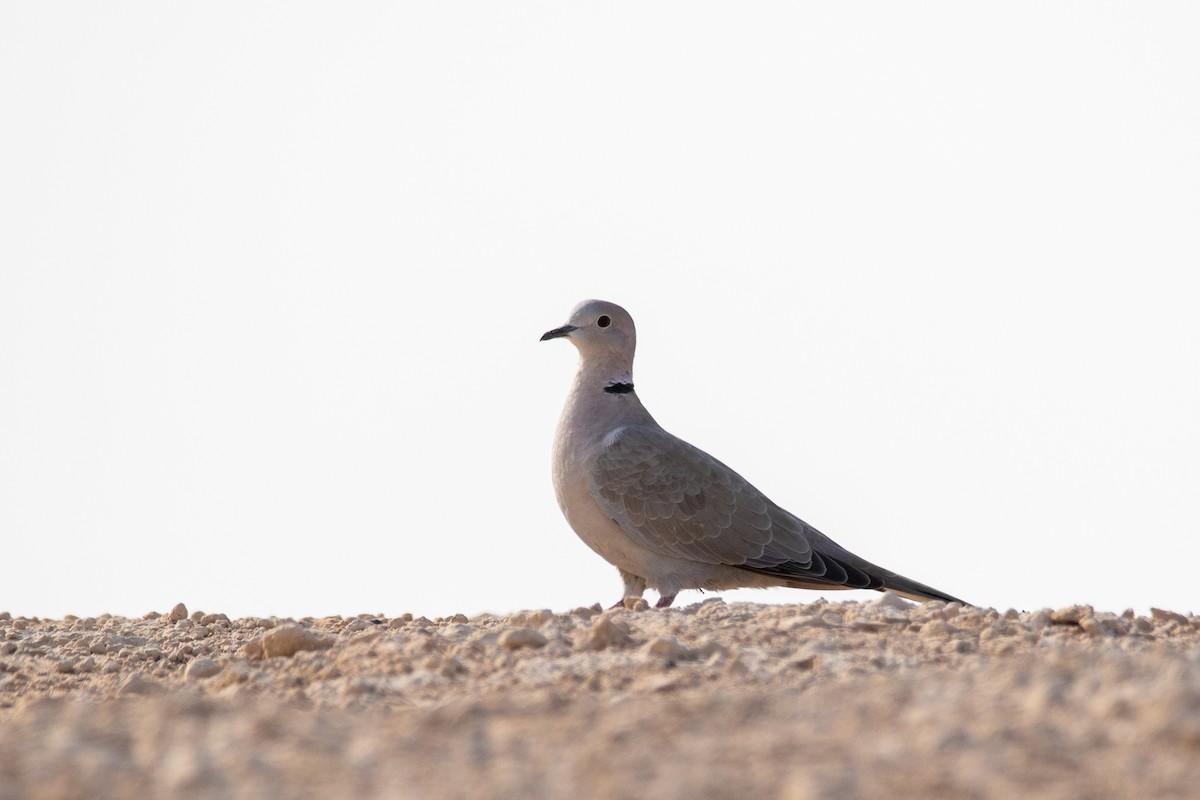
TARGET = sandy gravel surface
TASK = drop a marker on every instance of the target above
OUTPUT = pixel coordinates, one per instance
(821, 700)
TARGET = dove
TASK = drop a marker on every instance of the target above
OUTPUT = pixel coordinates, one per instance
(665, 513)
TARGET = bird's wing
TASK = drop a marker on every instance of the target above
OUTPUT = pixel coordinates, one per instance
(677, 500)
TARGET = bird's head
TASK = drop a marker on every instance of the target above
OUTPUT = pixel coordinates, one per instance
(600, 330)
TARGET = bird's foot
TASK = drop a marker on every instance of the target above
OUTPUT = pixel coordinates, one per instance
(664, 601)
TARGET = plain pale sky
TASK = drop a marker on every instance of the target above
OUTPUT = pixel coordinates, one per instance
(272, 277)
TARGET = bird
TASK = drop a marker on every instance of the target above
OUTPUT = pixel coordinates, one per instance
(666, 514)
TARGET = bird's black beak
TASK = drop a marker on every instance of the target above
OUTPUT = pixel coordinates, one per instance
(557, 333)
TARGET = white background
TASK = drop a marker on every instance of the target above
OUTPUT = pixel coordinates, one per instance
(272, 277)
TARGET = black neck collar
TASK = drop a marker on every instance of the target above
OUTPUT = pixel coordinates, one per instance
(619, 388)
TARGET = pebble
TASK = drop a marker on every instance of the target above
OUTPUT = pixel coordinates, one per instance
(607, 632)
(535, 618)
(1105, 625)
(1162, 615)
(201, 668)
(178, 612)
(518, 638)
(1072, 615)
(286, 640)
(937, 628)
(136, 684)
(891, 601)
(667, 647)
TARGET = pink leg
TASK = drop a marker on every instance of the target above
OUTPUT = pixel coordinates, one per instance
(665, 601)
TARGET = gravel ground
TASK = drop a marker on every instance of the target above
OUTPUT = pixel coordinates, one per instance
(824, 700)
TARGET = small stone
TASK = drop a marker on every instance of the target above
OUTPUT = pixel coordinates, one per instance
(1037, 620)
(805, 662)
(1072, 615)
(1105, 625)
(209, 619)
(136, 684)
(712, 607)
(5, 615)
(517, 638)
(635, 604)
(1162, 615)
(891, 601)
(667, 647)
(936, 629)
(196, 615)
(286, 640)
(66, 666)
(712, 650)
(87, 665)
(460, 618)
(178, 612)
(201, 668)
(451, 667)
(607, 632)
(536, 618)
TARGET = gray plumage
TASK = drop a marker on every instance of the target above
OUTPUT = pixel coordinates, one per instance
(668, 515)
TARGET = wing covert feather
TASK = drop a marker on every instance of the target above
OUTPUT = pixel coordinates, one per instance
(675, 499)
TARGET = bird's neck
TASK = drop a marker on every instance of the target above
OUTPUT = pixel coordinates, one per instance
(602, 399)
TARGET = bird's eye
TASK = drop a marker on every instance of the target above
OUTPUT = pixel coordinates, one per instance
(604, 321)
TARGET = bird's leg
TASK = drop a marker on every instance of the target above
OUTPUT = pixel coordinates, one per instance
(634, 587)
(664, 601)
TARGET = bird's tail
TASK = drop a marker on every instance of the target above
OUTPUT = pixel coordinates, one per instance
(906, 587)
